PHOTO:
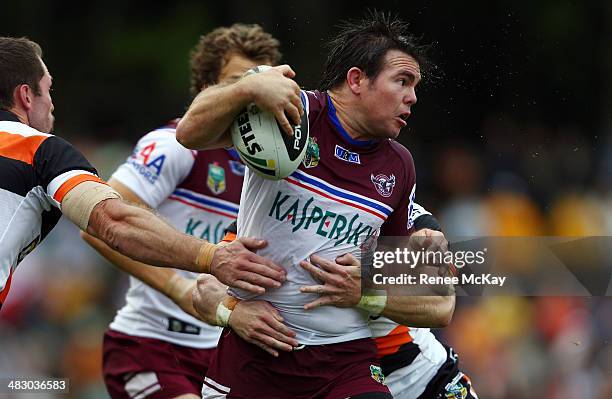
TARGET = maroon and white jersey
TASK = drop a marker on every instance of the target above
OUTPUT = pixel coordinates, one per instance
(198, 193)
(344, 194)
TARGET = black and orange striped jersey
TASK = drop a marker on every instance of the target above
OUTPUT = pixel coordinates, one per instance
(36, 172)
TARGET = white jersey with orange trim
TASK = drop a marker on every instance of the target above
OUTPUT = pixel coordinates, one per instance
(415, 354)
(410, 357)
(195, 191)
(343, 195)
(36, 172)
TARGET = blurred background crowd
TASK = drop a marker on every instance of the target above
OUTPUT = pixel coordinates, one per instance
(512, 135)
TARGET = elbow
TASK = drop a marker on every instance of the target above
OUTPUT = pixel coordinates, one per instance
(445, 312)
(182, 135)
(443, 319)
(185, 133)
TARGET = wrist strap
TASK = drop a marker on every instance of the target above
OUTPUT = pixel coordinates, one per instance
(177, 287)
(224, 310)
(205, 257)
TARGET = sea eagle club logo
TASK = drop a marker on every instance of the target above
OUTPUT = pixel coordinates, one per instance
(384, 184)
(303, 214)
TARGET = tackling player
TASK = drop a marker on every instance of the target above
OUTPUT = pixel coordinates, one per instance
(414, 363)
(42, 177)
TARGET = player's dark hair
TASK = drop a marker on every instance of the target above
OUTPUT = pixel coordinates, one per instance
(364, 44)
(19, 64)
(214, 49)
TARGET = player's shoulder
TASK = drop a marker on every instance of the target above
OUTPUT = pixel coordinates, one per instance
(31, 145)
(400, 152)
(315, 100)
(21, 129)
(164, 137)
(164, 132)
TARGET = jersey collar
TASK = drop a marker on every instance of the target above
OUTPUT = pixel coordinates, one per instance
(8, 116)
(361, 144)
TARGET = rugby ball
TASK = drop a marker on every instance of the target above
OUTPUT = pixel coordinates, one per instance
(262, 144)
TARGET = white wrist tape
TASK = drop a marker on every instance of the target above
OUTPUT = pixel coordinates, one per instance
(177, 287)
(223, 315)
(79, 202)
(224, 310)
(373, 302)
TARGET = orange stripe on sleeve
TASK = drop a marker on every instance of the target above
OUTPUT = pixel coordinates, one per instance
(18, 147)
(6, 289)
(391, 342)
(73, 182)
(229, 237)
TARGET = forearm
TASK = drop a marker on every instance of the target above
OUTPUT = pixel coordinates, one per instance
(155, 277)
(206, 123)
(420, 311)
(138, 233)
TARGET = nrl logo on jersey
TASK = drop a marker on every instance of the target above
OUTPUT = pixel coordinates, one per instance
(346, 155)
(384, 184)
(216, 178)
(303, 214)
(377, 374)
(311, 158)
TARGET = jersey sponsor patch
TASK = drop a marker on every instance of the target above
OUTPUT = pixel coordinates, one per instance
(305, 214)
(205, 230)
(346, 155)
(236, 167)
(384, 184)
(179, 326)
(146, 164)
(216, 178)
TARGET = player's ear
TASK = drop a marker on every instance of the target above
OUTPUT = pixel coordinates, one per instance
(22, 96)
(355, 79)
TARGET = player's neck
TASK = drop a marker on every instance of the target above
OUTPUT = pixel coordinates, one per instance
(346, 111)
(20, 114)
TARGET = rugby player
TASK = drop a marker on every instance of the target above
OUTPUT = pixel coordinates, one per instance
(157, 347)
(42, 177)
(329, 207)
